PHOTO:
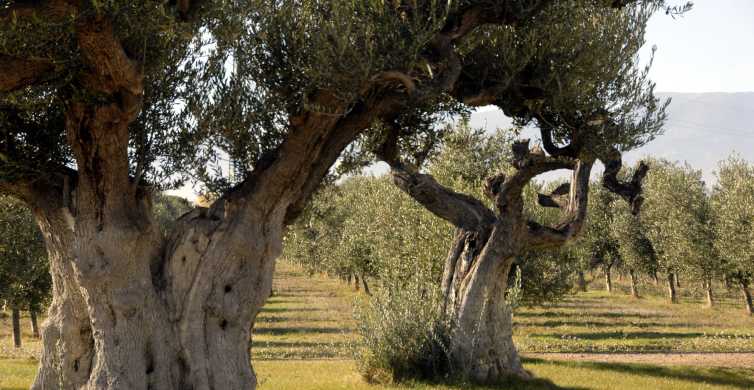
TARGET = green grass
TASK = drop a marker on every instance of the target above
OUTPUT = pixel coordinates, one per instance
(304, 335)
(341, 375)
(600, 322)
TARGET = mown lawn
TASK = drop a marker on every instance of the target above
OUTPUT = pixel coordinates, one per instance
(304, 337)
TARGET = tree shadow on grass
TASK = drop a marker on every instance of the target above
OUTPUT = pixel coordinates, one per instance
(295, 330)
(510, 384)
(289, 309)
(624, 335)
(595, 324)
(566, 314)
(715, 376)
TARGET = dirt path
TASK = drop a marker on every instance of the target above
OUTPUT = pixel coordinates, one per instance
(729, 360)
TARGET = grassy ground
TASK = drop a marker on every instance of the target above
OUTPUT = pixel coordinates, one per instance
(304, 336)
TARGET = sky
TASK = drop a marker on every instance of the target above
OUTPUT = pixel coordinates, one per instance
(708, 49)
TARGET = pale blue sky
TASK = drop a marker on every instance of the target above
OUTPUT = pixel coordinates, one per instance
(709, 49)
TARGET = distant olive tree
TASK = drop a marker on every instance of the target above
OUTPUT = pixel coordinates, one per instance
(24, 275)
(678, 222)
(733, 206)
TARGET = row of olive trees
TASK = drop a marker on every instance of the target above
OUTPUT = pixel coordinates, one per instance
(24, 277)
(365, 226)
(684, 231)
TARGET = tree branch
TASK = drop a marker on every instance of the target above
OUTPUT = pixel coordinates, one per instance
(630, 191)
(19, 72)
(506, 192)
(540, 236)
(461, 210)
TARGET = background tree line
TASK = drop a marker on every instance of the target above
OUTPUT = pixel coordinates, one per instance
(364, 230)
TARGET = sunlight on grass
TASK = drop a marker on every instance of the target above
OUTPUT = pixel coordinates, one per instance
(305, 333)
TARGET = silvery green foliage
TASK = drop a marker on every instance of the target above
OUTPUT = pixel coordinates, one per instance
(678, 220)
(24, 277)
(733, 206)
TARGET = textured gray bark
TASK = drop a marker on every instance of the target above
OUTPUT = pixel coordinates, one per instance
(708, 293)
(634, 284)
(481, 347)
(16, 322)
(608, 279)
(672, 296)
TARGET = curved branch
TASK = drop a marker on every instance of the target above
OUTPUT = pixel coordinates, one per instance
(630, 191)
(506, 192)
(557, 198)
(461, 210)
(540, 236)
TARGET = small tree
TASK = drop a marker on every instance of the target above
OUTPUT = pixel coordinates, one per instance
(24, 276)
(733, 206)
(678, 221)
(635, 249)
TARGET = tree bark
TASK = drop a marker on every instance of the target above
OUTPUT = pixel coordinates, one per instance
(581, 281)
(34, 325)
(16, 320)
(366, 286)
(708, 291)
(672, 297)
(474, 283)
(747, 297)
(356, 285)
(634, 284)
(608, 279)
(677, 280)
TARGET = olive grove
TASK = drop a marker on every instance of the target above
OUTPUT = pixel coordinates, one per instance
(104, 103)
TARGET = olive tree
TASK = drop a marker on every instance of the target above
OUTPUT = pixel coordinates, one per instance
(734, 216)
(103, 102)
(24, 278)
(678, 221)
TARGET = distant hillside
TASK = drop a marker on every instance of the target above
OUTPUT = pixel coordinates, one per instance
(702, 129)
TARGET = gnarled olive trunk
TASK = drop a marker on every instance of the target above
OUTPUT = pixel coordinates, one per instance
(133, 313)
(474, 284)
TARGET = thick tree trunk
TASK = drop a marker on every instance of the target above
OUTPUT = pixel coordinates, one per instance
(672, 297)
(474, 284)
(708, 291)
(634, 284)
(356, 285)
(608, 279)
(34, 324)
(581, 281)
(747, 297)
(16, 320)
(67, 338)
(677, 280)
